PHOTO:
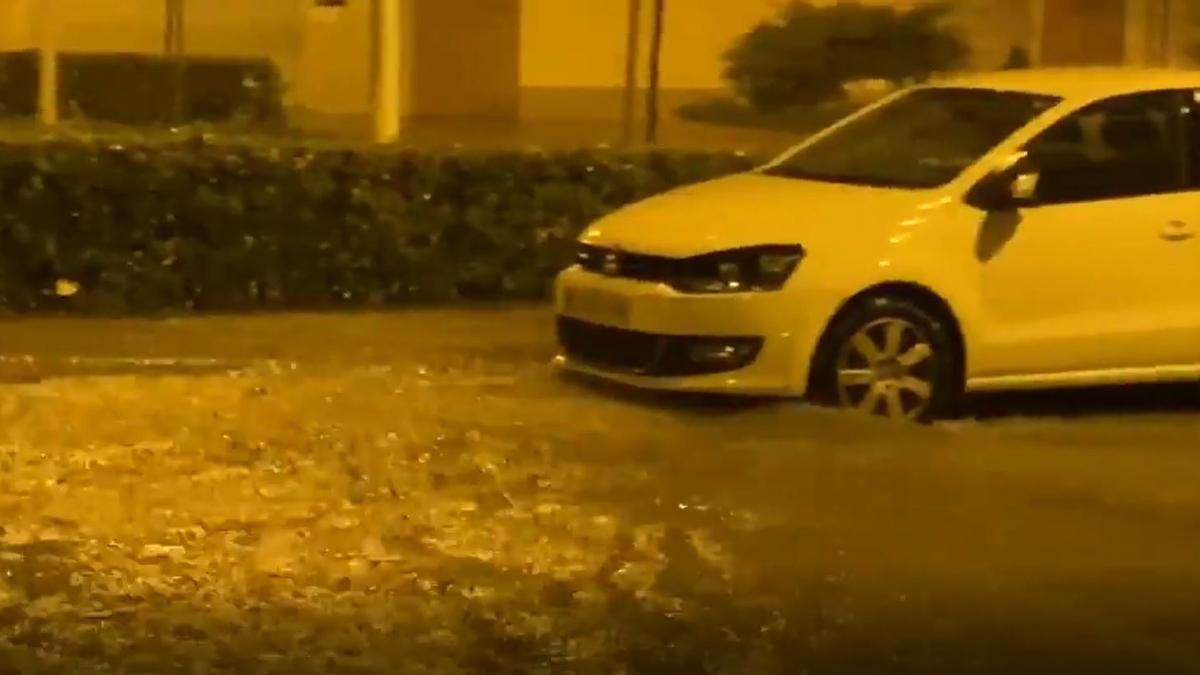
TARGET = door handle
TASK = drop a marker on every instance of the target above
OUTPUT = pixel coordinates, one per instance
(1177, 230)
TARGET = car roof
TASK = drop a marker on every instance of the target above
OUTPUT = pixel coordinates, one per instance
(1081, 84)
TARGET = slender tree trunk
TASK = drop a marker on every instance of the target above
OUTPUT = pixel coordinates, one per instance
(1167, 52)
(652, 93)
(632, 46)
(174, 47)
(168, 27)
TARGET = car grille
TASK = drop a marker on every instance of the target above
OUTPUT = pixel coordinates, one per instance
(636, 266)
(632, 352)
(609, 348)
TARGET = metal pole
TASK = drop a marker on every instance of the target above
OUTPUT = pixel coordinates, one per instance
(632, 45)
(656, 39)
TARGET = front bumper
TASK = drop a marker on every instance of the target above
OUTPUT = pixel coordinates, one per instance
(654, 355)
(644, 335)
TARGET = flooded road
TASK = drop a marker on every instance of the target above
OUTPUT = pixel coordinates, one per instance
(424, 493)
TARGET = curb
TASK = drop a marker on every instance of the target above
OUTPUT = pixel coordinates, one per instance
(28, 368)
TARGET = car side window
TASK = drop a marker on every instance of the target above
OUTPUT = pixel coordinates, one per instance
(1121, 147)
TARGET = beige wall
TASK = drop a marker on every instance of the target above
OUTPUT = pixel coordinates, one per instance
(109, 25)
(573, 53)
(333, 74)
(272, 28)
(16, 29)
(581, 43)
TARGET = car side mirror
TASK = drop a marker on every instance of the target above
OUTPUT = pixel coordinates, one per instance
(1005, 189)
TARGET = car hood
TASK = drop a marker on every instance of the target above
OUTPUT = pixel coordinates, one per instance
(755, 209)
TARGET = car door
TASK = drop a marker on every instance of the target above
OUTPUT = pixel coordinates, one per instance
(1101, 270)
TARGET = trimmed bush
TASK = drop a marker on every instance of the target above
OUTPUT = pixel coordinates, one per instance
(18, 84)
(196, 226)
(146, 89)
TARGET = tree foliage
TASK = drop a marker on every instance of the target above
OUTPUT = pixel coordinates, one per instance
(807, 53)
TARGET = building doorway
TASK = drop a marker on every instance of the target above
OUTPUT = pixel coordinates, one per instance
(1083, 32)
(466, 61)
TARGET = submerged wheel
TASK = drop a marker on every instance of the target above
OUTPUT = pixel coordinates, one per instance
(889, 357)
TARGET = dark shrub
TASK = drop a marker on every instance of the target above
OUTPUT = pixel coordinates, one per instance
(809, 53)
(206, 227)
(143, 89)
(18, 84)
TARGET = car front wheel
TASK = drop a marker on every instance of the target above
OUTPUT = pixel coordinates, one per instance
(890, 357)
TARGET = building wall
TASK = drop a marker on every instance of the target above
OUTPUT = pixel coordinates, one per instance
(467, 58)
(1129, 32)
(265, 28)
(556, 58)
(994, 27)
(573, 53)
(1083, 32)
(332, 85)
(16, 24)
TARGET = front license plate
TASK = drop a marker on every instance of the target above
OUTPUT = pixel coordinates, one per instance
(603, 307)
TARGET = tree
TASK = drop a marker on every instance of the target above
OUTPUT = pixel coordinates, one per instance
(632, 43)
(656, 41)
(808, 53)
(174, 48)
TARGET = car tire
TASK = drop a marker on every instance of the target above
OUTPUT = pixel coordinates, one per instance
(890, 357)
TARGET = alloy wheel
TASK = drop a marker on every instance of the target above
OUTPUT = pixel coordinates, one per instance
(886, 368)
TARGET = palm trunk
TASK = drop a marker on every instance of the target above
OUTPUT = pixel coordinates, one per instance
(632, 45)
(656, 39)
(174, 47)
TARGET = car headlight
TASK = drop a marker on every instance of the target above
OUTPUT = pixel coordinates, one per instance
(746, 270)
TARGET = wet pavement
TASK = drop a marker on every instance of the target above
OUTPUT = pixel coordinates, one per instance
(422, 492)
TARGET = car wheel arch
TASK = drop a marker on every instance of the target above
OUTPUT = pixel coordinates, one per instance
(913, 292)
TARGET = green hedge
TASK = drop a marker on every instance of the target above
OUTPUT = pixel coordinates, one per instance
(207, 227)
(143, 89)
(18, 84)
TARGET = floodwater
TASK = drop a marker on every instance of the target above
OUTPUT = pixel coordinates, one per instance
(1049, 533)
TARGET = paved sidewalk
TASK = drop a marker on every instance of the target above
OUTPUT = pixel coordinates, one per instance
(57, 346)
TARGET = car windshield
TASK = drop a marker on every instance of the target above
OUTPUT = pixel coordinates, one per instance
(921, 139)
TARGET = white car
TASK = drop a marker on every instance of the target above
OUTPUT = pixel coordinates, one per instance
(1007, 231)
